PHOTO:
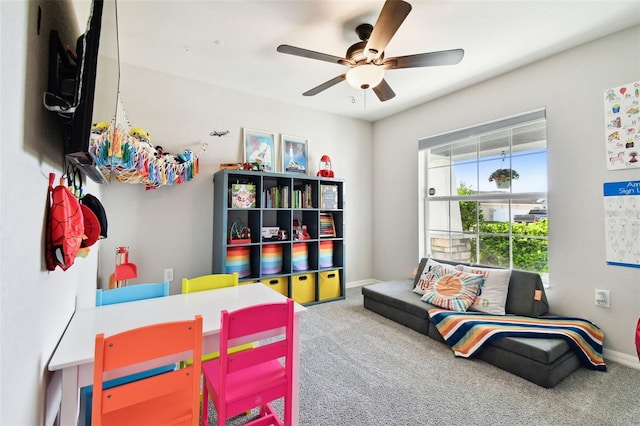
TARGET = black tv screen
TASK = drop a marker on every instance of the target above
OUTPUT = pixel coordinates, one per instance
(71, 91)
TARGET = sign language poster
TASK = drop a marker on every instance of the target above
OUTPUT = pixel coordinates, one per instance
(622, 223)
(622, 126)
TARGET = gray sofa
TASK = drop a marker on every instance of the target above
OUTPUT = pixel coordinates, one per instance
(542, 361)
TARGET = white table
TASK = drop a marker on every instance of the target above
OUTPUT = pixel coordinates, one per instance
(75, 352)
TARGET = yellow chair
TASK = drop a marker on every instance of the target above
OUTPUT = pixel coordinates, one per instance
(209, 282)
(213, 282)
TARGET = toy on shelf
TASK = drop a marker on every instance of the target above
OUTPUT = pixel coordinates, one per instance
(300, 231)
(325, 167)
(239, 233)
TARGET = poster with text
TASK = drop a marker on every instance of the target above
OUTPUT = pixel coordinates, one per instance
(622, 126)
(622, 223)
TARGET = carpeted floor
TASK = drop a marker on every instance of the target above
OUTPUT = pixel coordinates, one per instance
(359, 368)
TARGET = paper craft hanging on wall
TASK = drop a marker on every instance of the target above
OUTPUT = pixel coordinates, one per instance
(622, 126)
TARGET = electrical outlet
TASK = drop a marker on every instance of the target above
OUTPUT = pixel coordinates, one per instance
(602, 298)
(168, 274)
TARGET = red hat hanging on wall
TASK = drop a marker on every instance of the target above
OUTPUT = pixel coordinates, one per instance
(325, 167)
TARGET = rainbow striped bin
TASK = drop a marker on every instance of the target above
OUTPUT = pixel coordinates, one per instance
(271, 260)
(238, 261)
(325, 260)
(300, 257)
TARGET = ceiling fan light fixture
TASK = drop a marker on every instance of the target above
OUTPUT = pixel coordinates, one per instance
(365, 76)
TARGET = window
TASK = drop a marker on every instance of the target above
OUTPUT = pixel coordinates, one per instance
(485, 194)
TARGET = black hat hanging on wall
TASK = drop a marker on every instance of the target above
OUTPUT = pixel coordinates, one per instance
(96, 207)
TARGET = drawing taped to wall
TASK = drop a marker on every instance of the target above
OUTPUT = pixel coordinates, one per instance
(622, 126)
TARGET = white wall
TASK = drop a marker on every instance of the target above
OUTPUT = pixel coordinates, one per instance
(171, 227)
(570, 86)
(35, 305)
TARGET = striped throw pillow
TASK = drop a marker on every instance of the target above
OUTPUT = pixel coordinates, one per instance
(452, 290)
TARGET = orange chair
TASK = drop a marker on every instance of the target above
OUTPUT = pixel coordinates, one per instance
(169, 398)
(235, 382)
(130, 293)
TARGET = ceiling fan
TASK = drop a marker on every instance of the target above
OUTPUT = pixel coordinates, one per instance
(366, 58)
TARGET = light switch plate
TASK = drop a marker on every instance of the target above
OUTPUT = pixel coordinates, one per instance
(602, 298)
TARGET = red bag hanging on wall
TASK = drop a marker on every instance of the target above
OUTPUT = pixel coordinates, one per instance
(638, 338)
(65, 227)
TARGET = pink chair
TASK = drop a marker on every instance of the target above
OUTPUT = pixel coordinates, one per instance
(237, 381)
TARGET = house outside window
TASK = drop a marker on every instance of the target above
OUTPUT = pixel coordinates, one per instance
(484, 191)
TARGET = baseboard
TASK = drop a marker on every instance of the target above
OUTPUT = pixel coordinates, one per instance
(619, 357)
(361, 283)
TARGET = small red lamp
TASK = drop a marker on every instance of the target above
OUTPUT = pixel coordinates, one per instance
(325, 167)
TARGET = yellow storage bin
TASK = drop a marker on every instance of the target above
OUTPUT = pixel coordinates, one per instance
(329, 284)
(303, 288)
(277, 284)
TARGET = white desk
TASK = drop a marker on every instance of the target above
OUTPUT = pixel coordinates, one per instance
(75, 351)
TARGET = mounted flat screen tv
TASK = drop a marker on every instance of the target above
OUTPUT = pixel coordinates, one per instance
(71, 90)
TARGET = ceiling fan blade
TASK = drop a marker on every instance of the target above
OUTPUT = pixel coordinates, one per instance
(392, 15)
(297, 51)
(384, 91)
(325, 85)
(430, 59)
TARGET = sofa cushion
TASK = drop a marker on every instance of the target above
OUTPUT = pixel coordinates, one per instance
(398, 294)
(421, 265)
(545, 351)
(526, 295)
(451, 289)
(492, 294)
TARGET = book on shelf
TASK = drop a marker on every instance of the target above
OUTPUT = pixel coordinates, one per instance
(276, 197)
(329, 197)
(243, 195)
(302, 197)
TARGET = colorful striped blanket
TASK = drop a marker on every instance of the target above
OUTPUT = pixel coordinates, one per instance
(467, 332)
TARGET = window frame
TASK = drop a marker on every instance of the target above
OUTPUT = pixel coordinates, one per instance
(425, 147)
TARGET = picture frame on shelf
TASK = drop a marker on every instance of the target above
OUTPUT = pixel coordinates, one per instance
(294, 154)
(259, 147)
(327, 225)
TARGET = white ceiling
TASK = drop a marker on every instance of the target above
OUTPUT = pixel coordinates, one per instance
(233, 43)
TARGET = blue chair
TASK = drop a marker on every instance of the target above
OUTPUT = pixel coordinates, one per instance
(125, 294)
(131, 293)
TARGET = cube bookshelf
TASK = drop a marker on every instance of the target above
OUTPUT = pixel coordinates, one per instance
(307, 266)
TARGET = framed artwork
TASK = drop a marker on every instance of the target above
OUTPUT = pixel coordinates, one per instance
(295, 154)
(259, 147)
(327, 226)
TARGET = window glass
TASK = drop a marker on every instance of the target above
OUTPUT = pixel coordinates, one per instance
(485, 197)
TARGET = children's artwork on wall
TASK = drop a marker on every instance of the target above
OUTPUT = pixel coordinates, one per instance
(259, 147)
(622, 223)
(622, 126)
(294, 154)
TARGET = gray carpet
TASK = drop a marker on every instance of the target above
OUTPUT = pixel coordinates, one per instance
(359, 368)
